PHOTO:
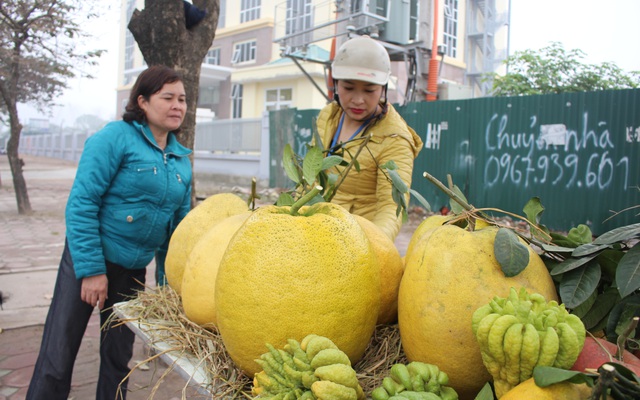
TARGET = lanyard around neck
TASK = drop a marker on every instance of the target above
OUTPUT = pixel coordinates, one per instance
(362, 126)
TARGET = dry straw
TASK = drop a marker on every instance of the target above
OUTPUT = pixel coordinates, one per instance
(160, 311)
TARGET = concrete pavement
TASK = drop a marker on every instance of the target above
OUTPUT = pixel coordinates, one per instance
(30, 249)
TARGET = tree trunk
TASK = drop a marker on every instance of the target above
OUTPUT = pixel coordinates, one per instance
(163, 38)
(16, 163)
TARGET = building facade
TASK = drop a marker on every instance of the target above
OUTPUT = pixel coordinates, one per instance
(275, 54)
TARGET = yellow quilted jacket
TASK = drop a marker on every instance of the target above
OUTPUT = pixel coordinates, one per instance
(368, 192)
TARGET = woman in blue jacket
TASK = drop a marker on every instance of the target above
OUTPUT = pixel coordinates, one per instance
(132, 188)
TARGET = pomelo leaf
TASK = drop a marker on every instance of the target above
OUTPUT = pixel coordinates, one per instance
(486, 393)
(581, 234)
(628, 271)
(398, 183)
(533, 210)
(577, 285)
(589, 248)
(570, 264)
(312, 164)
(289, 164)
(456, 208)
(511, 254)
(330, 162)
(619, 234)
(600, 309)
(546, 376)
(423, 202)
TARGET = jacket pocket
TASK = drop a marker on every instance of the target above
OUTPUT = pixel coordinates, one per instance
(142, 178)
(130, 224)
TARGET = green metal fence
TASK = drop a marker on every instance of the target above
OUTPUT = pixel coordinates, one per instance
(578, 152)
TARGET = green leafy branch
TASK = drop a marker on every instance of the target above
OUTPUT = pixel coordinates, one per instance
(599, 279)
(316, 169)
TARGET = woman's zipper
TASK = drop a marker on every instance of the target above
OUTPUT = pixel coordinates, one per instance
(155, 170)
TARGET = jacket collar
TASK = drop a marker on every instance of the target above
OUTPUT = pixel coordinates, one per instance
(173, 146)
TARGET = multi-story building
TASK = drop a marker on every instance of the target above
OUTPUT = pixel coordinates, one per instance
(274, 54)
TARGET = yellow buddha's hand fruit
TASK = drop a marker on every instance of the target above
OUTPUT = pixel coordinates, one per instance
(287, 276)
(449, 274)
(522, 331)
(290, 373)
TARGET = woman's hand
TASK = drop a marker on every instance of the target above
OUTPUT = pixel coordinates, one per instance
(94, 290)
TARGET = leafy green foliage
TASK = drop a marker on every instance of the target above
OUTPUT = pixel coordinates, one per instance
(486, 393)
(546, 376)
(314, 169)
(553, 69)
(598, 279)
(612, 380)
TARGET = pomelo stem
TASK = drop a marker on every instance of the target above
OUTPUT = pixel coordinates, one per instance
(251, 203)
(622, 339)
(449, 193)
(304, 200)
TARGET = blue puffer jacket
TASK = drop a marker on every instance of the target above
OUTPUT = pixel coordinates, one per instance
(127, 198)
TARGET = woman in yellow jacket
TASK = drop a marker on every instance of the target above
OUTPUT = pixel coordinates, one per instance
(361, 70)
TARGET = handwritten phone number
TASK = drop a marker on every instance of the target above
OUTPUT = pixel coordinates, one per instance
(570, 170)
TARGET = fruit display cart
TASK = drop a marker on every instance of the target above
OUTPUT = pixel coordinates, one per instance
(186, 365)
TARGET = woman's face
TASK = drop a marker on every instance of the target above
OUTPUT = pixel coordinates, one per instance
(358, 98)
(166, 108)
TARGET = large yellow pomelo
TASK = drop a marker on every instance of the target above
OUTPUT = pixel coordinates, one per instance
(199, 220)
(450, 274)
(528, 390)
(391, 269)
(199, 279)
(431, 222)
(285, 277)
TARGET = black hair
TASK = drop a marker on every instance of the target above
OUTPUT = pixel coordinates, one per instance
(149, 82)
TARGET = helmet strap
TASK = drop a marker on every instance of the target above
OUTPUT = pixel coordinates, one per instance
(335, 92)
(386, 88)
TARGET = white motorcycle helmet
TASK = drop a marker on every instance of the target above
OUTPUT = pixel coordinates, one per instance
(362, 59)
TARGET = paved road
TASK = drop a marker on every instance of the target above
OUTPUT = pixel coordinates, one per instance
(30, 249)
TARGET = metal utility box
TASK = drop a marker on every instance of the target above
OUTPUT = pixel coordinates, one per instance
(402, 27)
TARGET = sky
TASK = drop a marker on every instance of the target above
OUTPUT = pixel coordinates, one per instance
(605, 31)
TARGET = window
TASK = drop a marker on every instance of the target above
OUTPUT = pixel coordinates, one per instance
(299, 16)
(236, 101)
(249, 10)
(244, 52)
(450, 31)
(213, 57)
(278, 99)
(222, 14)
(129, 42)
(378, 7)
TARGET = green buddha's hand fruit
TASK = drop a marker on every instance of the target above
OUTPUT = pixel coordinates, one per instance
(415, 381)
(523, 331)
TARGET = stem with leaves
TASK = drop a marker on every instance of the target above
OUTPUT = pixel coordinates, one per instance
(304, 200)
(333, 190)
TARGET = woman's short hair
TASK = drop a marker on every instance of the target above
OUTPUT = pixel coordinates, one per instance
(150, 81)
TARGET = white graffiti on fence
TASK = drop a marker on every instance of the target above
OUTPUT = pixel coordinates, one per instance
(633, 134)
(583, 157)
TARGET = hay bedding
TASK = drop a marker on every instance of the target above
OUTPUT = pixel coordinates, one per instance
(160, 310)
